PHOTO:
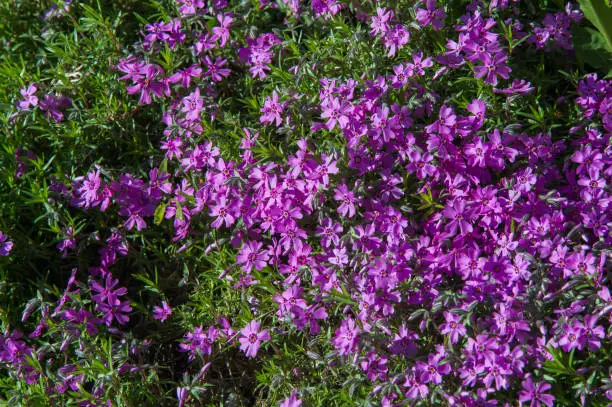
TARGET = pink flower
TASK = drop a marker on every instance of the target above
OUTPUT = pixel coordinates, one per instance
(431, 15)
(29, 99)
(252, 338)
(272, 110)
(347, 199)
(250, 256)
(162, 313)
(5, 245)
(535, 393)
(222, 33)
(291, 401)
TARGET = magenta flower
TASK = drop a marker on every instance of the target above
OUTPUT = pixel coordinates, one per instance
(29, 98)
(250, 256)
(162, 313)
(380, 22)
(188, 7)
(117, 310)
(492, 68)
(347, 200)
(147, 84)
(337, 112)
(593, 333)
(431, 15)
(51, 105)
(459, 216)
(184, 76)
(192, 105)
(346, 337)
(223, 213)
(395, 39)
(291, 401)
(416, 67)
(222, 32)
(573, 337)
(329, 232)
(215, 69)
(252, 338)
(452, 327)
(107, 293)
(181, 395)
(272, 110)
(535, 393)
(5, 245)
(433, 370)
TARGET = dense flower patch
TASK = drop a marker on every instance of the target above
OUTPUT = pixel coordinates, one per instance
(342, 203)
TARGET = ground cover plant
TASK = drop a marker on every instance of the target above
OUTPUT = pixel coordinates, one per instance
(315, 203)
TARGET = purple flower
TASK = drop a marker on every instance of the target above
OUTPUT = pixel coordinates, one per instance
(573, 337)
(593, 332)
(188, 7)
(147, 84)
(380, 22)
(116, 310)
(415, 68)
(291, 401)
(395, 39)
(108, 293)
(431, 15)
(192, 105)
(29, 98)
(492, 68)
(199, 341)
(223, 212)
(252, 338)
(181, 395)
(535, 393)
(347, 199)
(433, 370)
(272, 110)
(346, 337)
(452, 327)
(336, 111)
(51, 105)
(329, 232)
(459, 216)
(215, 69)
(222, 32)
(250, 256)
(162, 313)
(5, 245)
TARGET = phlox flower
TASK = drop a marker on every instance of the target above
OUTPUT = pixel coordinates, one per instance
(222, 32)
(431, 15)
(272, 110)
(535, 392)
(452, 327)
(291, 401)
(29, 97)
(251, 338)
(5, 245)
(162, 313)
(223, 213)
(189, 7)
(346, 337)
(250, 256)
(347, 200)
(493, 67)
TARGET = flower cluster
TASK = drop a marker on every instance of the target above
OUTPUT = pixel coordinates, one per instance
(433, 245)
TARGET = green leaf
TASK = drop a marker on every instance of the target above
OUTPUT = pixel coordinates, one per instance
(591, 48)
(159, 213)
(600, 14)
(179, 211)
